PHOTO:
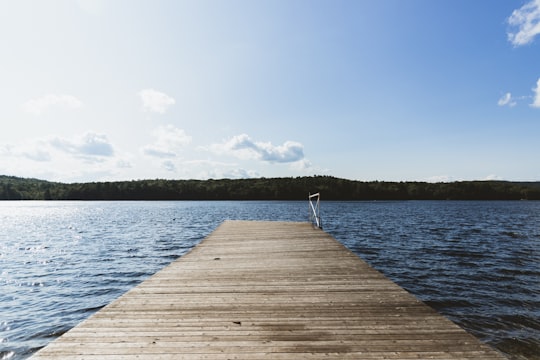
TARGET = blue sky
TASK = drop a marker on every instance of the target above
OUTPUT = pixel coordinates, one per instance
(393, 90)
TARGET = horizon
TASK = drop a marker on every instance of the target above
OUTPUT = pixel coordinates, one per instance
(373, 90)
(278, 177)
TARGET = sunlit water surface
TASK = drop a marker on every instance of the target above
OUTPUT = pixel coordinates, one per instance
(475, 262)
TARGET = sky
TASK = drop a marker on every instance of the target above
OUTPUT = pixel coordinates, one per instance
(388, 90)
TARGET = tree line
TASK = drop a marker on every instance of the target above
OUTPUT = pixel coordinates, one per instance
(291, 188)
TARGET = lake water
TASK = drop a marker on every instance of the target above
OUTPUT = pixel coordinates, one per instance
(477, 263)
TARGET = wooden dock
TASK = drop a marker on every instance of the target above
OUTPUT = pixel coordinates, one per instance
(267, 290)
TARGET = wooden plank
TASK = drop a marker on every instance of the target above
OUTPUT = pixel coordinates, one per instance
(271, 290)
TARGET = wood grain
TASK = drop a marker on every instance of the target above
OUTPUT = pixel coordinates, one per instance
(267, 290)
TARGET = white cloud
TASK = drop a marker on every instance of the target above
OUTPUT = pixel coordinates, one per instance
(290, 151)
(36, 150)
(168, 165)
(242, 146)
(492, 177)
(155, 101)
(86, 158)
(211, 169)
(37, 155)
(306, 167)
(440, 178)
(303, 165)
(536, 98)
(236, 173)
(169, 141)
(90, 145)
(527, 21)
(39, 105)
(239, 174)
(506, 100)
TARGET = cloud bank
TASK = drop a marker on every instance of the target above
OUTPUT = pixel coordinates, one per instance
(243, 147)
(169, 141)
(155, 101)
(37, 150)
(526, 21)
(90, 145)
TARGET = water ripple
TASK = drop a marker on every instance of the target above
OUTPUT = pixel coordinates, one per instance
(475, 262)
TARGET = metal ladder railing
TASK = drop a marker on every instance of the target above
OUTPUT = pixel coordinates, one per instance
(315, 210)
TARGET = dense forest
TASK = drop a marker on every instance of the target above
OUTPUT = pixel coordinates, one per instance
(331, 188)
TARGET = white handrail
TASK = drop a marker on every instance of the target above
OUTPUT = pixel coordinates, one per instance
(315, 210)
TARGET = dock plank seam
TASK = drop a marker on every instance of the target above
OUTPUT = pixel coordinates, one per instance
(267, 290)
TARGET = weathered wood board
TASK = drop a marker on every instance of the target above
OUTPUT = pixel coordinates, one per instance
(267, 290)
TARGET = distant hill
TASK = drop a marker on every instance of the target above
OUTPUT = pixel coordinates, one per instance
(292, 188)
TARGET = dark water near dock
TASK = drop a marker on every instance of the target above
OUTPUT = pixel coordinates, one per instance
(478, 263)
